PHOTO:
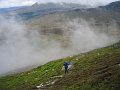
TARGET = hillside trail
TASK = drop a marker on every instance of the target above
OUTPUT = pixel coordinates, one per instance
(52, 80)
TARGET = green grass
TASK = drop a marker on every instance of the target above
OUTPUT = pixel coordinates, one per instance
(95, 70)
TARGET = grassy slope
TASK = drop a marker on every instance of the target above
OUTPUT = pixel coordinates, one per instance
(95, 70)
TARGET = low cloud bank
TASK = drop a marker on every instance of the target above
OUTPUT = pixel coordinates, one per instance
(20, 47)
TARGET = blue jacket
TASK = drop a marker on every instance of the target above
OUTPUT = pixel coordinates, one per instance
(66, 64)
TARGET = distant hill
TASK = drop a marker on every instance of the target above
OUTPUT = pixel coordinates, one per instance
(11, 9)
(50, 19)
(112, 6)
(102, 14)
(42, 9)
(38, 10)
(110, 10)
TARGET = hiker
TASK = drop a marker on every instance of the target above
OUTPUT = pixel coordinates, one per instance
(66, 64)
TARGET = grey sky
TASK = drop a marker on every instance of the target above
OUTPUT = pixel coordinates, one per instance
(11, 3)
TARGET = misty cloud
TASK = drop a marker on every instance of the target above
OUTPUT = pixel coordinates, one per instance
(20, 47)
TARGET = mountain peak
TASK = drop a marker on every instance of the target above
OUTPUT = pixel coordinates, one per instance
(36, 4)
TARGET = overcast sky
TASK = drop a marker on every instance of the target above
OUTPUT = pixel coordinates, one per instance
(12, 3)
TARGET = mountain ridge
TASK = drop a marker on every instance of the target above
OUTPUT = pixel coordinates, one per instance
(37, 9)
(112, 6)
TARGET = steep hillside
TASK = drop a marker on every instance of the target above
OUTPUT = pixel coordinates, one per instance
(95, 70)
